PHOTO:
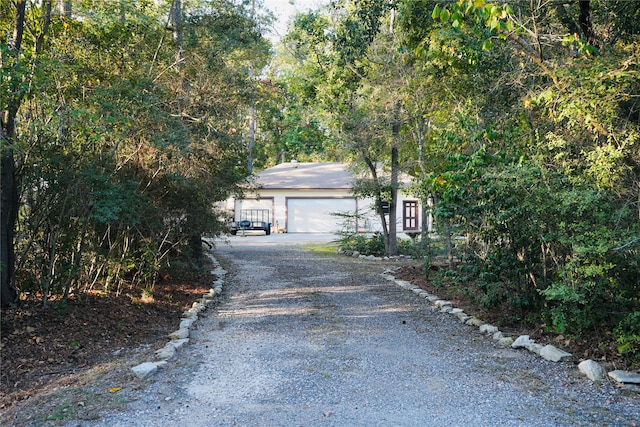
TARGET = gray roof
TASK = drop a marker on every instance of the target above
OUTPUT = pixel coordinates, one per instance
(315, 176)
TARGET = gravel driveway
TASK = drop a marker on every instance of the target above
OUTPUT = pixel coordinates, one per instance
(302, 339)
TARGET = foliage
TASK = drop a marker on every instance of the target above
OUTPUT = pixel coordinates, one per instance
(123, 151)
(365, 245)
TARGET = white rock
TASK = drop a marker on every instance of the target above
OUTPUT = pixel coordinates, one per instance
(405, 285)
(355, 254)
(180, 334)
(166, 352)
(432, 298)
(554, 354)
(497, 336)
(523, 341)
(463, 317)
(625, 377)
(535, 348)
(474, 321)
(178, 344)
(186, 323)
(441, 303)
(460, 314)
(189, 315)
(219, 272)
(145, 369)
(488, 329)
(446, 309)
(417, 291)
(592, 370)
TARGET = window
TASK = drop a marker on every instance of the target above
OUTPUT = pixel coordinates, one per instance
(410, 215)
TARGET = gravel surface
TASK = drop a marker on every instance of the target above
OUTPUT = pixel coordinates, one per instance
(302, 339)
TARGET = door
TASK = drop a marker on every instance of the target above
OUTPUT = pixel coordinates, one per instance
(315, 215)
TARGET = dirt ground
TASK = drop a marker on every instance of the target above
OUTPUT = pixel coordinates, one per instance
(48, 349)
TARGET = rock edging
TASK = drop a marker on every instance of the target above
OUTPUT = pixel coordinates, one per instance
(591, 369)
(180, 337)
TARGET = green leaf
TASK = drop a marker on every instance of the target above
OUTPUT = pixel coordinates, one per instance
(487, 44)
(445, 15)
(547, 95)
(436, 12)
(509, 25)
(493, 23)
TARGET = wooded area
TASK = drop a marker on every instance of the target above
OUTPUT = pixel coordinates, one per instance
(123, 122)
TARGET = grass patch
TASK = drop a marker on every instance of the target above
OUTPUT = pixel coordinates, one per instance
(322, 248)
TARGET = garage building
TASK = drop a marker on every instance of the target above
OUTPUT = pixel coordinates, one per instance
(305, 198)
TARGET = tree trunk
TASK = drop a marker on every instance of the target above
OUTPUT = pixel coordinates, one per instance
(8, 215)
(196, 249)
(449, 243)
(424, 199)
(67, 8)
(392, 248)
(176, 20)
(8, 182)
(584, 20)
(379, 199)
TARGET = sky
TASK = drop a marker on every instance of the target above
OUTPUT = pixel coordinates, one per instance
(285, 9)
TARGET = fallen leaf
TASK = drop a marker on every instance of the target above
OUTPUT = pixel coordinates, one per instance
(115, 389)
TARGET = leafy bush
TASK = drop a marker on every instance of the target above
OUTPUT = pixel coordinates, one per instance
(366, 245)
(544, 243)
(628, 333)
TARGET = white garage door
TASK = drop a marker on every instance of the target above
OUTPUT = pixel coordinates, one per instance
(315, 215)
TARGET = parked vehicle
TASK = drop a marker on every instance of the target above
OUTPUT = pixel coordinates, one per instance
(252, 219)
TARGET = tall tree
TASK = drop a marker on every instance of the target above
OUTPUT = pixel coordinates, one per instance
(123, 146)
(18, 60)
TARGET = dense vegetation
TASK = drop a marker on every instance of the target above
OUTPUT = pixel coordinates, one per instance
(121, 127)
(123, 122)
(521, 121)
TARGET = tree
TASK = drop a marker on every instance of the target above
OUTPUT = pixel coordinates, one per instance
(125, 147)
(549, 157)
(18, 60)
(342, 76)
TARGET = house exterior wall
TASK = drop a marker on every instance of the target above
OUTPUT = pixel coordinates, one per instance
(279, 202)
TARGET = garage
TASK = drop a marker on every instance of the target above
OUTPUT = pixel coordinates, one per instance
(245, 204)
(314, 215)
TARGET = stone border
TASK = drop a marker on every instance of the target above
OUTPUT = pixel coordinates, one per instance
(180, 337)
(591, 369)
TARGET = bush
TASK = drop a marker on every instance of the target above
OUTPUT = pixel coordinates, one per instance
(372, 245)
